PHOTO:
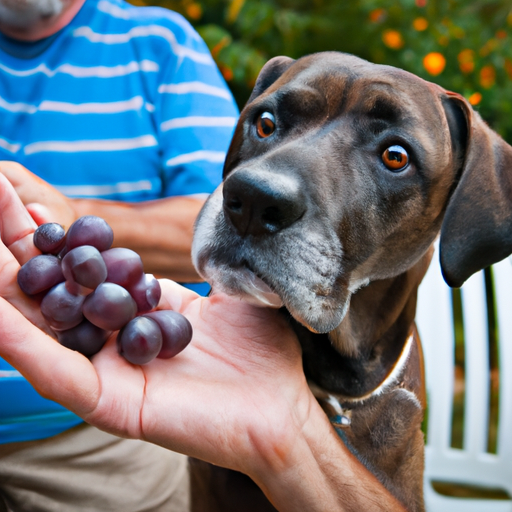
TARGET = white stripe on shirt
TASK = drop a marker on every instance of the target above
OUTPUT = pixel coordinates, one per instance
(191, 87)
(104, 190)
(80, 146)
(9, 146)
(118, 12)
(87, 72)
(195, 156)
(17, 107)
(145, 31)
(113, 107)
(9, 374)
(185, 122)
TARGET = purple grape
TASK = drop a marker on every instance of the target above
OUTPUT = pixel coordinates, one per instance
(50, 238)
(40, 273)
(176, 331)
(146, 293)
(140, 340)
(124, 266)
(76, 289)
(85, 266)
(90, 230)
(61, 309)
(85, 338)
(110, 307)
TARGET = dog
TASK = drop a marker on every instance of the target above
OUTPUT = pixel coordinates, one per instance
(340, 176)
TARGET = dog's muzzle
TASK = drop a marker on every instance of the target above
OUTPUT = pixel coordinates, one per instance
(256, 239)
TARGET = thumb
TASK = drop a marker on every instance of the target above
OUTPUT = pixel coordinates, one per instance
(40, 213)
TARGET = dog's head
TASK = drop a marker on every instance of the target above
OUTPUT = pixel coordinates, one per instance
(342, 172)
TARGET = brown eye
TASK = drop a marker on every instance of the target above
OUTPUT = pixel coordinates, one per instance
(395, 158)
(265, 125)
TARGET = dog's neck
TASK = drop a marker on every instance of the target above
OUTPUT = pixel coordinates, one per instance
(378, 324)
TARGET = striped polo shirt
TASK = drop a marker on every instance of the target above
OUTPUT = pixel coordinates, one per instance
(124, 103)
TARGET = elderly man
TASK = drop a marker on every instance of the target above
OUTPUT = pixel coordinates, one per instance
(123, 111)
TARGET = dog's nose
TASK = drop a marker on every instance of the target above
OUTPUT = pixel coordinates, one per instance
(259, 203)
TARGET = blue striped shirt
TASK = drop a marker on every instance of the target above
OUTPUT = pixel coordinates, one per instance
(124, 103)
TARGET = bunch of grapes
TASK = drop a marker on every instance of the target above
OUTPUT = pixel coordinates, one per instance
(88, 290)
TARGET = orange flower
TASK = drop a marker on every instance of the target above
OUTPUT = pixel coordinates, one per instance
(487, 76)
(421, 3)
(434, 63)
(501, 34)
(377, 15)
(420, 24)
(227, 73)
(194, 11)
(393, 39)
(475, 98)
(225, 41)
(466, 60)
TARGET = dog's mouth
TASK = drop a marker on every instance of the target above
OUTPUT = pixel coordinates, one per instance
(252, 287)
(243, 282)
(257, 291)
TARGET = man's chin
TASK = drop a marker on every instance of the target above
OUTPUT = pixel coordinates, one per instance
(22, 14)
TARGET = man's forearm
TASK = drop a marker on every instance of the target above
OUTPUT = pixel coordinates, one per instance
(160, 231)
(320, 474)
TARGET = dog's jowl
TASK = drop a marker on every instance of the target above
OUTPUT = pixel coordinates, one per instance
(340, 176)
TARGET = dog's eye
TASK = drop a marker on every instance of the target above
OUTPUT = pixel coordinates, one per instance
(265, 125)
(395, 158)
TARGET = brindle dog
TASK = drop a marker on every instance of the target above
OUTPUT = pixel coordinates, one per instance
(340, 176)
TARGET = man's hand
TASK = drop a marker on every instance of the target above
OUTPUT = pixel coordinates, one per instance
(236, 396)
(160, 231)
(16, 229)
(44, 202)
(213, 401)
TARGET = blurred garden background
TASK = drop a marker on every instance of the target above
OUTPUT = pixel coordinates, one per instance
(463, 45)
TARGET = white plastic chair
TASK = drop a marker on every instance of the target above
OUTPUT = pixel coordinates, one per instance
(472, 465)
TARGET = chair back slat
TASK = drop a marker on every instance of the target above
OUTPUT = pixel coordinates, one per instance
(503, 289)
(476, 352)
(472, 465)
(434, 320)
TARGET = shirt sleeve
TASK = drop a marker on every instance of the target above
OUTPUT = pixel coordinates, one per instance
(195, 114)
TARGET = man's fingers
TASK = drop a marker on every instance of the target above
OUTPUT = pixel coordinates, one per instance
(56, 372)
(12, 170)
(16, 228)
(40, 213)
(10, 291)
(175, 296)
(16, 224)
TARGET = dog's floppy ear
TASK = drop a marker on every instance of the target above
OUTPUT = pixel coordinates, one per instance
(269, 73)
(477, 227)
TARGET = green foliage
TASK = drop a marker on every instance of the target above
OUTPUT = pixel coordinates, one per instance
(469, 41)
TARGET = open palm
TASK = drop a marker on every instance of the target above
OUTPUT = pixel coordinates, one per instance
(223, 399)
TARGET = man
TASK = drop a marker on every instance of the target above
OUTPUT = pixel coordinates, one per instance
(122, 109)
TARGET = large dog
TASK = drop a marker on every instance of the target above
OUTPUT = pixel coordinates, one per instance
(340, 176)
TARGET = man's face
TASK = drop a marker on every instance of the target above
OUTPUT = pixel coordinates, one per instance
(25, 13)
